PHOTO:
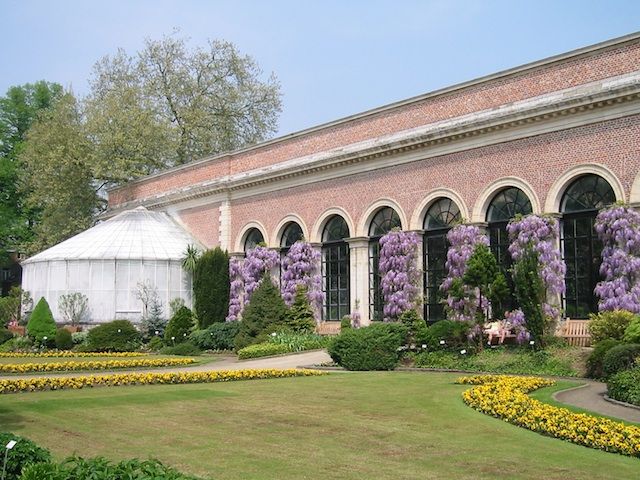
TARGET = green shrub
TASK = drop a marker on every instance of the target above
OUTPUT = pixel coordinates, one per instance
(179, 326)
(375, 347)
(17, 344)
(5, 335)
(606, 325)
(417, 331)
(297, 342)
(79, 337)
(41, 323)
(63, 339)
(99, 468)
(155, 344)
(453, 333)
(625, 386)
(531, 294)
(24, 453)
(594, 362)
(186, 349)
(632, 332)
(265, 309)
(345, 323)
(300, 317)
(619, 358)
(211, 287)
(116, 336)
(262, 350)
(219, 336)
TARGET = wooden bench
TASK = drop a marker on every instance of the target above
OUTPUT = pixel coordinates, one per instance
(575, 332)
(328, 328)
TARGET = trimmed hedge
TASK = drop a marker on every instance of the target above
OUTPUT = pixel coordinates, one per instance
(23, 454)
(41, 323)
(219, 336)
(63, 339)
(262, 350)
(185, 348)
(116, 336)
(619, 358)
(179, 327)
(594, 362)
(625, 386)
(376, 347)
(453, 333)
(211, 287)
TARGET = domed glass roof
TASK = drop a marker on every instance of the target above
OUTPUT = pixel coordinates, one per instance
(134, 234)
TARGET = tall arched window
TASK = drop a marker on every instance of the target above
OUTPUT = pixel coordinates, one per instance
(383, 222)
(291, 234)
(335, 269)
(580, 244)
(253, 238)
(439, 219)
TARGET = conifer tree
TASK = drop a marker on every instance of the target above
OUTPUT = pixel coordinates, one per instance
(41, 323)
(211, 287)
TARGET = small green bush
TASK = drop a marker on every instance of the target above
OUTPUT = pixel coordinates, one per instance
(179, 327)
(17, 344)
(453, 333)
(606, 325)
(116, 336)
(375, 347)
(632, 332)
(79, 337)
(186, 349)
(41, 323)
(262, 350)
(594, 362)
(219, 336)
(5, 335)
(417, 331)
(156, 344)
(625, 386)
(299, 317)
(619, 358)
(63, 339)
(345, 323)
(23, 454)
(297, 342)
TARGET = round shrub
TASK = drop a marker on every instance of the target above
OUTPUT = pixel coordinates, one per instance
(609, 324)
(219, 336)
(345, 322)
(24, 453)
(5, 335)
(375, 347)
(453, 333)
(63, 339)
(632, 332)
(417, 332)
(116, 336)
(155, 344)
(79, 337)
(186, 349)
(179, 326)
(619, 358)
(594, 362)
(625, 386)
(41, 323)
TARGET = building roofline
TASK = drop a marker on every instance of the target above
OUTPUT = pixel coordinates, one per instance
(583, 51)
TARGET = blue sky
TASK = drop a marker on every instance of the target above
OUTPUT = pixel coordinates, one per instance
(333, 58)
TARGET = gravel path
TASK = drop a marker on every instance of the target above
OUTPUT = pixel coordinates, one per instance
(591, 397)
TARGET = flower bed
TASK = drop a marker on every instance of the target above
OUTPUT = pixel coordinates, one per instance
(67, 353)
(93, 365)
(122, 379)
(505, 397)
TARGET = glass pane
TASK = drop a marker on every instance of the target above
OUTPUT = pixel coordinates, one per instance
(588, 192)
(384, 221)
(508, 203)
(442, 214)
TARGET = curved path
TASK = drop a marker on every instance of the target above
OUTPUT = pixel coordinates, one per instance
(590, 396)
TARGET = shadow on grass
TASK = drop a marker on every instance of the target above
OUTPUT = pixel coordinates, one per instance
(10, 419)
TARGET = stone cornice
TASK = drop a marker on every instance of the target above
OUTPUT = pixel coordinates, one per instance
(561, 105)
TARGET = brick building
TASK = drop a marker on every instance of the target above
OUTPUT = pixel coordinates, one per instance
(560, 136)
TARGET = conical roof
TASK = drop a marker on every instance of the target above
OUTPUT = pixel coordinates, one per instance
(134, 234)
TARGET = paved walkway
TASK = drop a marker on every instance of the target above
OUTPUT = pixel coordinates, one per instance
(591, 397)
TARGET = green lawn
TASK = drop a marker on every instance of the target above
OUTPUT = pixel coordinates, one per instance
(342, 426)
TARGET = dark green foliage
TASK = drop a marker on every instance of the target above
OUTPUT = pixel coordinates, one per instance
(594, 362)
(265, 309)
(345, 322)
(41, 323)
(155, 344)
(619, 358)
(154, 321)
(24, 453)
(116, 336)
(63, 339)
(417, 331)
(219, 336)
(530, 293)
(186, 349)
(300, 317)
(454, 334)
(375, 347)
(625, 386)
(5, 335)
(179, 326)
(99, 468)
(632, 332)
(211, 287)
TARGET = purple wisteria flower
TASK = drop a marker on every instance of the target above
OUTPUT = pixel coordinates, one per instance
(516, 321)
(236, 289)
(301, 266)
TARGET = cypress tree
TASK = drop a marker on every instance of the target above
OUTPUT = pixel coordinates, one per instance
(531, 293)
(41, 323)
(300, 317)
(211, 287)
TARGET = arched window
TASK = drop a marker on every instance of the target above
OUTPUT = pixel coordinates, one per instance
(580, 244)
(383, 222)
(439, 219)
(335, 269)
(253, 238)
(291, 234)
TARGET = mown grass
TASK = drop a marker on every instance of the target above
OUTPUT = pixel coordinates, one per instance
(343, 426)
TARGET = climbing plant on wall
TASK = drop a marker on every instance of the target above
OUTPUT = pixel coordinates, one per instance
(301, 266)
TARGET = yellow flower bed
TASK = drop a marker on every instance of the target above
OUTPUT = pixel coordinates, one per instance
(120, 379)
(67, 353)
(506, 397)
(93, 365)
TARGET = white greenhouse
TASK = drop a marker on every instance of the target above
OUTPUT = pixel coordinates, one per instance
(109, 260)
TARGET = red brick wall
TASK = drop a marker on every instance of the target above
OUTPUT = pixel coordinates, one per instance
(538, 160)
(204, 223)
(493, 93)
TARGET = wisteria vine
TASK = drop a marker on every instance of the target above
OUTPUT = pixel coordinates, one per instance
(301, 266)
(618, 228)
(235, 290)
(399, 272)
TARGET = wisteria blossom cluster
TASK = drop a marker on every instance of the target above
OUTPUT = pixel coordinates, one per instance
(541, 234)
(515, 319)
(618, 228)
(245, 276)
(399, 272)
(462, 240)
(301, 266)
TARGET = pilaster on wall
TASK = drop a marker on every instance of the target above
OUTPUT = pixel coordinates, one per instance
(359, 276)
(225, 225)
